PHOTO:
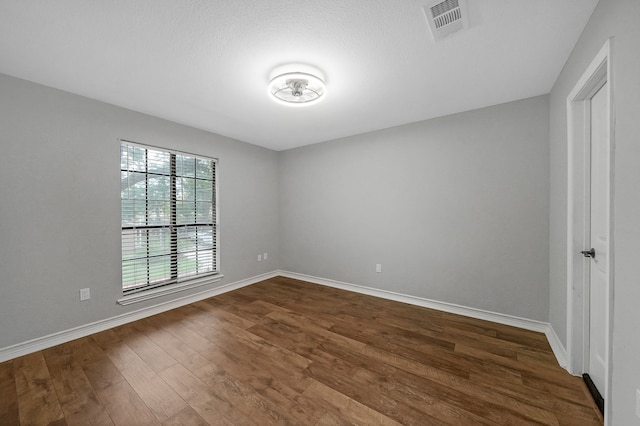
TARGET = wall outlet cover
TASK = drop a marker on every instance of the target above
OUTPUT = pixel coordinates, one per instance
(85, 294)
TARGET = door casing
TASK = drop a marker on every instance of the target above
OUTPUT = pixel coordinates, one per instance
(578, 216)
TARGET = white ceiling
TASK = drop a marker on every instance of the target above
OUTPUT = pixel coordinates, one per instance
(206, 63)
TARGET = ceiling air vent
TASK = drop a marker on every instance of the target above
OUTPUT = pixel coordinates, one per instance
(446, 17)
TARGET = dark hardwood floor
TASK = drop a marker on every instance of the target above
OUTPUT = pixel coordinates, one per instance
(288, 352)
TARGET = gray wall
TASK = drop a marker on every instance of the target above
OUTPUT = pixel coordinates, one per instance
(618, 19)
(60, 206)
(455, 209)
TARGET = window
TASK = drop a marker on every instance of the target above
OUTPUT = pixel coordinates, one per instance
(169, 233)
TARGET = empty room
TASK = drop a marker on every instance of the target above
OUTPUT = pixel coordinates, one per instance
(371, 212)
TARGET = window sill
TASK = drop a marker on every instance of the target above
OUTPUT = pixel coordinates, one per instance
(163, 291)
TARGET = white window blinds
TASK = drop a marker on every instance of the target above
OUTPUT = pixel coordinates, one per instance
(168, 216)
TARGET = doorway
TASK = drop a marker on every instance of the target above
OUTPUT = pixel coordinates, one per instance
(589, 228)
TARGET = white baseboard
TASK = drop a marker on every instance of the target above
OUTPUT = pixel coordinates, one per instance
(45, 342)
(426, 303)
(558, 348)
(524, 323)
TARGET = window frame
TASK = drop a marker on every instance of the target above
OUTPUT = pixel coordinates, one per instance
(175, 283)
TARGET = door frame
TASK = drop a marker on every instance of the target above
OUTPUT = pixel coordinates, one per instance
(595, 76)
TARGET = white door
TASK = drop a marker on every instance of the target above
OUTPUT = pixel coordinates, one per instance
(599, 235)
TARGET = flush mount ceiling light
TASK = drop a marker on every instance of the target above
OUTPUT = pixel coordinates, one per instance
(297, 89)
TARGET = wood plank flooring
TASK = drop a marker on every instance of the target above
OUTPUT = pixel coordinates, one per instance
(288, 352)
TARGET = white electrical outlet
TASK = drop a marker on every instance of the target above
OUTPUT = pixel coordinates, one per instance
(638, 402)
(378, 267)
(85, 294)
(265, 256)
(259, 258)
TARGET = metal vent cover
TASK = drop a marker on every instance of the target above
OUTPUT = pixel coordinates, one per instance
(446, 17)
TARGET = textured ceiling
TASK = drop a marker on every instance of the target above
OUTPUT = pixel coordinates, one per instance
(206, 63)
